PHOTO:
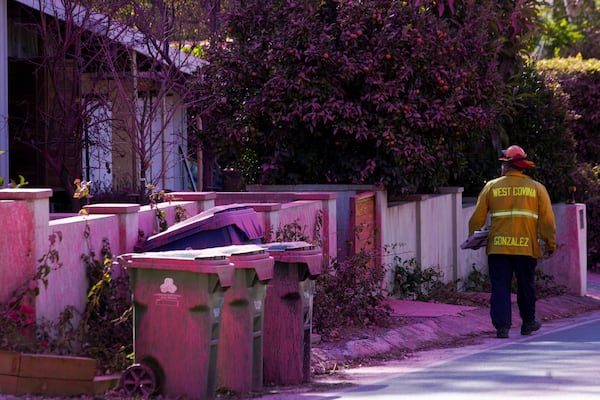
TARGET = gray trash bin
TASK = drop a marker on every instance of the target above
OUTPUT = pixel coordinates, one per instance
(178, 300)
(288, 312)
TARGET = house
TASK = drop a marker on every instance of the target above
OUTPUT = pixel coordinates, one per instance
(110, 107)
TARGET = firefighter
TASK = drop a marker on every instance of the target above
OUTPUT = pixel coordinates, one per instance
(520, 215)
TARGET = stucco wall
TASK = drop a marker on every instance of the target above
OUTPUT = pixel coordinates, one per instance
(27, 226)
(23, 237)
(568, 265)
(428, 229)
(422, 228)
(470, 259)
(60, 292)
(16, 224)
(342, 207)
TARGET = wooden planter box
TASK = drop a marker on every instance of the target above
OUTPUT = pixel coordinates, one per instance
(42, 374)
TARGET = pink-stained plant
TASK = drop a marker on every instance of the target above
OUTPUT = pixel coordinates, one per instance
(18, 324)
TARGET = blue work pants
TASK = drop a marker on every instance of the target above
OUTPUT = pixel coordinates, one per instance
(501, 269)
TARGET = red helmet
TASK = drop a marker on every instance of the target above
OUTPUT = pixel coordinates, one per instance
(513, 153)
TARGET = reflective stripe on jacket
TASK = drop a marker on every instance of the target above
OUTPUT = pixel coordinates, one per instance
(520, 212)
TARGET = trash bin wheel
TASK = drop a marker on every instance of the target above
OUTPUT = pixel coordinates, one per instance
(139, 379)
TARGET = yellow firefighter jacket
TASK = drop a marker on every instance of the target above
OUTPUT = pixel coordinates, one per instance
(520, 213)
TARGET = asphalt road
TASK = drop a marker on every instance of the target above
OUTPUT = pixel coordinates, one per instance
(561, 361)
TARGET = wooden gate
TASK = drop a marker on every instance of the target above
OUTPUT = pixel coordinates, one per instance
(364, 233)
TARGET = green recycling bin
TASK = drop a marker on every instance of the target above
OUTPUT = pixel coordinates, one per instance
(178, 300)
(288, 312)
(240, 361)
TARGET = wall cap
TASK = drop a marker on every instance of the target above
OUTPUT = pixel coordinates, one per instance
(190, 196)
(451, 189)
(112, 208)
(25, 194)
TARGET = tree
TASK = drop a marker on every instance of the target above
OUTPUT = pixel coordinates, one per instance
(110, 89)
(154, 87)
(54, 130)
(377, 92)
(542, 124)
(571, 28)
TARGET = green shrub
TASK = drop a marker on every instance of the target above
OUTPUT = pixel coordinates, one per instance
(104, 331)
(477, 281)
(545, 285)
(349, 293)
(552, 115)
(579, 81)
(427, 284)
(377, 92)
(19, 330)
(413, 282)
(106, 326)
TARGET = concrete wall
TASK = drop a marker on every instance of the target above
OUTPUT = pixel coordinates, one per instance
(342, 206)
(568, 265)
(27, 226)
(424, 228)
(281, 203)
(428, 229)
(469, 259)
(432, 228)
(72, 275)
(24, 235)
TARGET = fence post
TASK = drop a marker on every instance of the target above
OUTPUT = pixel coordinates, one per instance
(270, 213)
(128, 217)
(329, 227)
(456, 239)
(204, 200)
(568, 265)
(25, 215)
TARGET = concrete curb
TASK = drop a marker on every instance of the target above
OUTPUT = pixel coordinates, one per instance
(437, 331)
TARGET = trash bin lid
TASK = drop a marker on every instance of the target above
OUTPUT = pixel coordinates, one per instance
(217, 218)
(298, 252)
(283, 246)
(182, 260)
(205, 254)
(249, 256)
(239, 249)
